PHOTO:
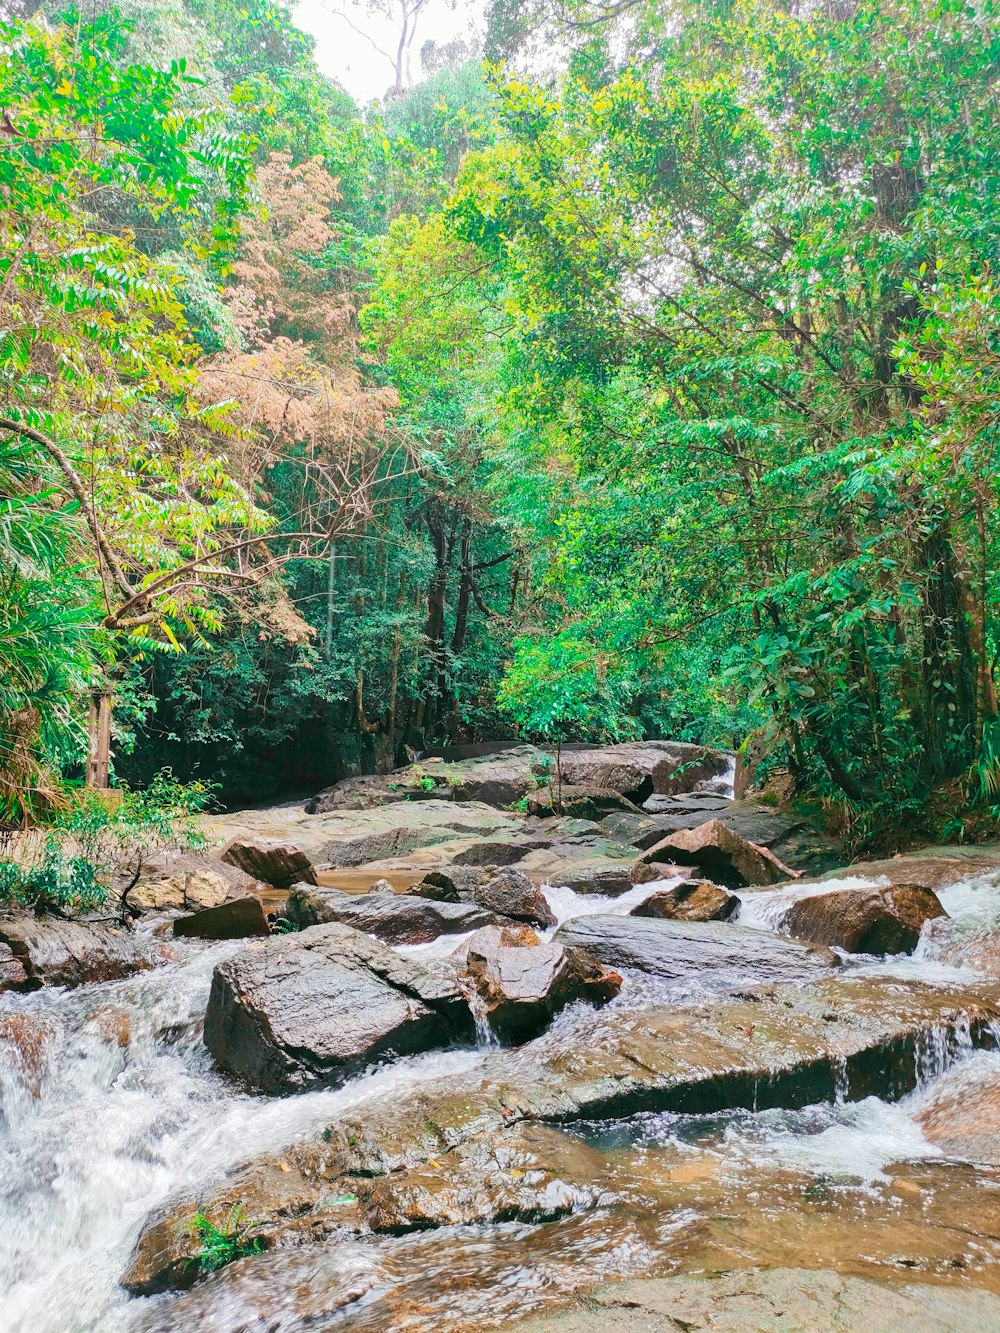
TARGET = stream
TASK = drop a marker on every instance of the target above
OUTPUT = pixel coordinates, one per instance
(110, 1104)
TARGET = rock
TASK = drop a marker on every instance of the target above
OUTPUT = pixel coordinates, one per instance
(522, 989)
(508, 937)
(692, 900)
(113, 1023)
(713, 952)
(345, 838)
(54, 952)
(781, 1300)
(961, 1113)
(607, 881)
(309, 1009)
(278, 863)
(723, 855)
(638, 769)
(28, 1045)
(381, 886)
(499, 779)
(581, 802)
(403, 918)
(12, 973)
(529, 1174)
(876, 920)
(236, 920)
(280, 1290)
(784, 1046)
(191, 880)
(494, 853)
(505, 891)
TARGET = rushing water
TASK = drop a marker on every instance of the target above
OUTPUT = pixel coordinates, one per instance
(110, 1105)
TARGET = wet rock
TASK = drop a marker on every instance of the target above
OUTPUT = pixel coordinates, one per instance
(877, 920)
(606, 881)
(522, 989)
(780, 1300)
(12, 973)
(282, 1291)
(28, 1043)
(113, 1023)
(403, 918)
(381, 886)
(787, 1046)
(278, 863)
(513, 936)
(240, 919)
(961, 1114)
(692, 900)
(723, 855)
(712, 952)
(54, 952)
(309, 1009)
(506, 892)
(528, 1174)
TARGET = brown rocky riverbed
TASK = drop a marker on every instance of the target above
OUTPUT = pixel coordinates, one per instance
(723, 1127)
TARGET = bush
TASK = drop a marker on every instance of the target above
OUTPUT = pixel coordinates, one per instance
(96, 844)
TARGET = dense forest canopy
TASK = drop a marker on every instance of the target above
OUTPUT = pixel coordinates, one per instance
(636, 376)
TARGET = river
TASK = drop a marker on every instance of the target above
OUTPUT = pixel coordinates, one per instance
(110, 1104)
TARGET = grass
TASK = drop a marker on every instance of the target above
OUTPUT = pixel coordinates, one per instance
(224, 1245)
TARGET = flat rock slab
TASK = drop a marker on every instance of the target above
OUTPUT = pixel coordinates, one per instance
(306, 1010)
(782, 1300)
(714, 952)
(54, 952)
(792, 1046)
(348, 838)
(402, 918)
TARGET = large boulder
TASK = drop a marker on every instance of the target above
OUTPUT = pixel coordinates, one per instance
(397, 918)
(640, 769)
(709, 952)
(498, 779)
(721, 854)
(271, 860)
(305, 1010)
(691, 900)
(240, 919)
(876, 920)
(188, 880)
(504, 891)
(520, 990)
(54, 952)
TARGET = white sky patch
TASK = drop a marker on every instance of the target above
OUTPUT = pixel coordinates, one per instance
(352, 42)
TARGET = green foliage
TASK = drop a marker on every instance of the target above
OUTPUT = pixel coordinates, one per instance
(221, 1245)
(561, 690)
(96, 842)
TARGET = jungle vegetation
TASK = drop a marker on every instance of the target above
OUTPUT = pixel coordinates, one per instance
(636, 375)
